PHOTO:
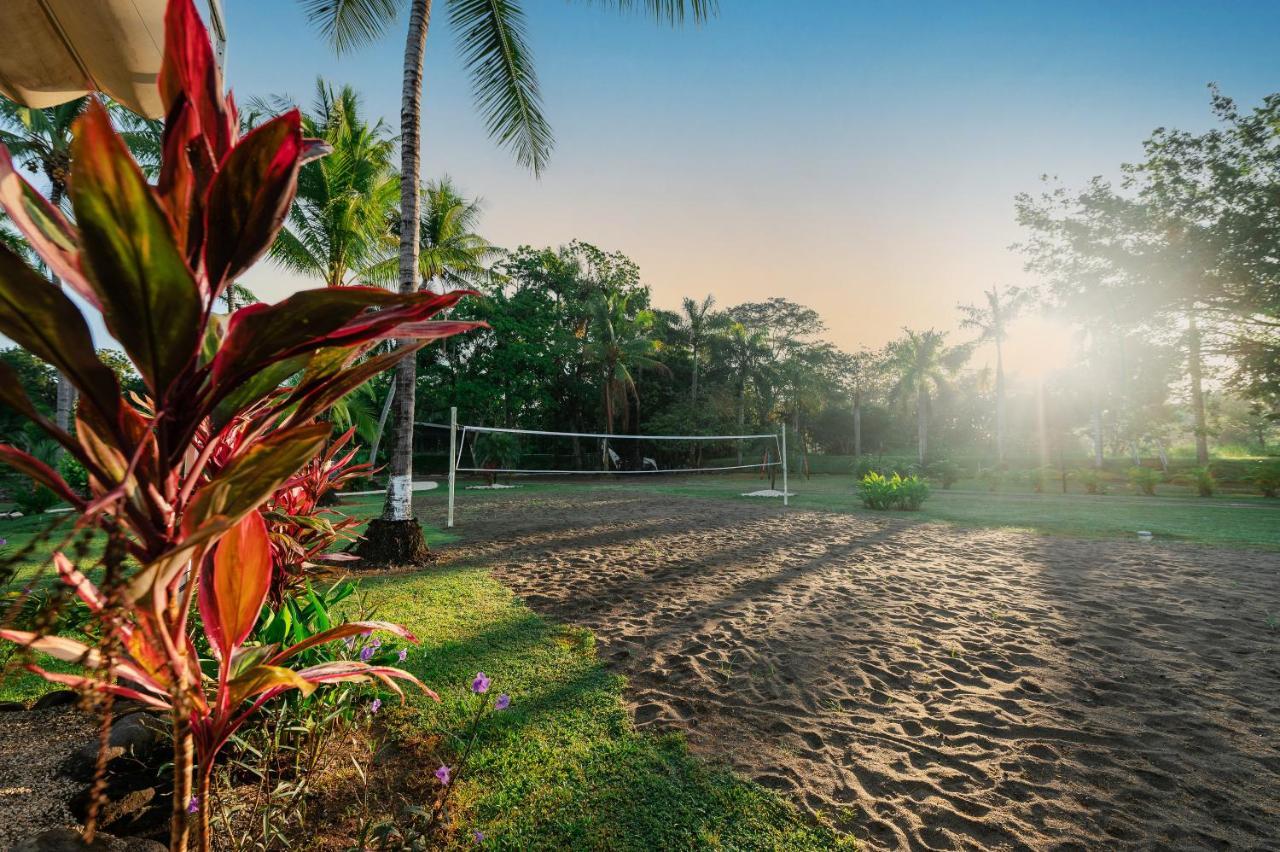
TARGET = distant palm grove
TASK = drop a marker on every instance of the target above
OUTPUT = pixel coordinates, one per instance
(1166, 368)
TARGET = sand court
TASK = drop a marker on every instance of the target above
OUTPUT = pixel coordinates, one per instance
(920, 685)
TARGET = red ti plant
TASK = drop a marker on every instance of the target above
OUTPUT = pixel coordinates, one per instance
(154, 259)
(302, 531)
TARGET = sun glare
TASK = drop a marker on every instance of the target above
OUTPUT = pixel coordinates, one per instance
(1038, 346)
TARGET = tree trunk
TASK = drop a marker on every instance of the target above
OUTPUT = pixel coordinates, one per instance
(66, 392)
(1195, 373)
(922, 422)
(1097, 432)
(857, 424)
(1000, 412)
(183, 764)
(382, 423)
(742, 415)
(399, 536)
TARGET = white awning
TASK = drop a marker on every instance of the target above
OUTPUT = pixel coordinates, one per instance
(57, 50)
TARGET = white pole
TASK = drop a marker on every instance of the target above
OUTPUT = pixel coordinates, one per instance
(453, 457)
(785, 498)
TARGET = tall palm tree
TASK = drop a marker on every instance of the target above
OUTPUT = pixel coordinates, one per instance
(745, 349)
(991, 322)
(506, 90)
(619, 344)
(339, 225)
(924, 364)
(451, 255)
(697, 324)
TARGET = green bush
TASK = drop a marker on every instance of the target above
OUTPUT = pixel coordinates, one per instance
(74, 473)
(1091, 479)
(993, 478)
(32, 499)
(1267, 479)
(1203, 480)
(1145, 480)
(897, 492)
(864, 465)
(943, 471)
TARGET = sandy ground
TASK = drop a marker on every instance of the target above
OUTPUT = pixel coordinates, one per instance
(33, 746)
(924, 686)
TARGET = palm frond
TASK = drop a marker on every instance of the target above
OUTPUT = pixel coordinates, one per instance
(350, 24)
(673, 12)
(504, 82)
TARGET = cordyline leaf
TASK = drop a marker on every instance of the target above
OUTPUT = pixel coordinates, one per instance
(180, 164)
(250, 197)
(149, 298)
(94, 685)
(41, 319)
(260, 335)
(254, 475)
(430, 330)
(255, 388)
(83, 586)
(354, 670)
(260, 679)
(189, 70)
(44, 227)
(352, 628)
(58, 647)
(234, 584)
(13, 395)
(40, 472)
(318, 396)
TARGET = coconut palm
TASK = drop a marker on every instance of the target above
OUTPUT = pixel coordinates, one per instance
(697, 323)
(339, 225)
(744, 350)
(923, 364)
(991, 322)
(505, 85)
(450, 255)
(619, 344)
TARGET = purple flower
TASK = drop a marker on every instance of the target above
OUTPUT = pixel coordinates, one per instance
(443, 775)
(3, 542)
(193, 806)
(350, 642)
(404, 653)
(503, 702)
(376, 705)
(376, 643)
(366, 653)
(477, 836)
(480, 684)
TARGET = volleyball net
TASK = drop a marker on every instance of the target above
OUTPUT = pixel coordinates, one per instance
(488, 453)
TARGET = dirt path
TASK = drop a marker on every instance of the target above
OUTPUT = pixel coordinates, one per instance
(925, 686)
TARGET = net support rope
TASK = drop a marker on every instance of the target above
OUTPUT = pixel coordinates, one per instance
(457, 445)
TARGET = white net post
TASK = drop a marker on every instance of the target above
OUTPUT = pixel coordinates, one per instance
(453, 458)
(785, 493)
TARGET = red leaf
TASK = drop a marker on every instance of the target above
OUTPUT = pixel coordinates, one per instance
(234, 584)
(148, 295)
(189, 69)
(44, 227)
(250, 197)
(40, 472)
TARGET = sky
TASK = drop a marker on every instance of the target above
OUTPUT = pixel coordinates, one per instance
(858, 157)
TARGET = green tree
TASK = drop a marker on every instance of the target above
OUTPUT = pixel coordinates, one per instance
(923, 365)
(339, 225)
(619, 344)
(744, 351)
(505, 86)
(697, 324)
(991, 321)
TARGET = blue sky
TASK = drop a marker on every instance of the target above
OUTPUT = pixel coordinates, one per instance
(860, 157)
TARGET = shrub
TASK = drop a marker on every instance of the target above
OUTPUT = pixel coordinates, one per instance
(1203, 480)
(993, 478)
(1145, 480)
(896, 492)
(232, 410)
(864, 465)
(1267, 479)
(943, 471)
(1091, 479)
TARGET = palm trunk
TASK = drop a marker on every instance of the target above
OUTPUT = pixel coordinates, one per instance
(1000, 412)
(66, 392)
(742, 415)
(1097, 432)
(695, 379)
(399, 502)
(922, 422)
(382, 423)
(857, 424)
(1195, 371)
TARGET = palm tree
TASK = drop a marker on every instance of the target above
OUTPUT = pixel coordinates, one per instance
(924, 364)
(620, 343)
(451, 255)
(506, 90)
(697, 324)
(991, 322)
(745, 349)
(862, 375)
(338, 226)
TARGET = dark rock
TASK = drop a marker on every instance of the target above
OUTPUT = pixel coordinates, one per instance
(69, 840)
(57, 698)
(120, 806)
(136, 735)
(11, 706)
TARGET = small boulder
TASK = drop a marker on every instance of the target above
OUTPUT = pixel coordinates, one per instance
(11, 706)
(118, 807)
(136, 734)
(69, 840)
